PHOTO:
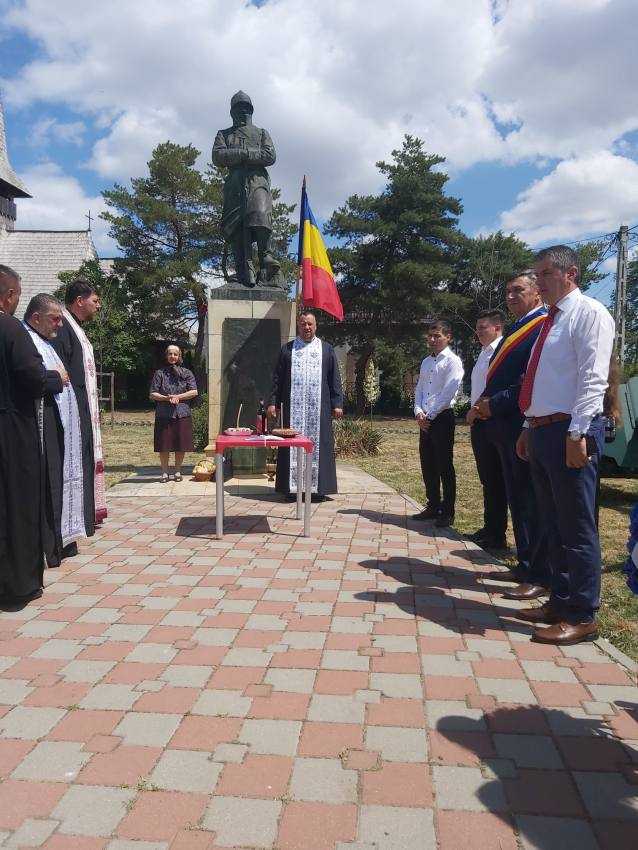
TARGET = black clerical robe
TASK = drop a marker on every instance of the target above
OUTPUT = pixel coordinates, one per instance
(53, 447)
(23, 381)
(69, 350)
(331, 398)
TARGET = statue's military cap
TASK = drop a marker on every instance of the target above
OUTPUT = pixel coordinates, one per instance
(240, 97)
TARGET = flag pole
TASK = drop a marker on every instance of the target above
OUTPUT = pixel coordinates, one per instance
(301, 235)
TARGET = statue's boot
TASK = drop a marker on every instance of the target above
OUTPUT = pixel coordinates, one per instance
(243, 264)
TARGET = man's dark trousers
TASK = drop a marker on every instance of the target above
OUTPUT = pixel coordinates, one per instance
(529, 532)
(567, 499)
(436, 451)
(488, 465)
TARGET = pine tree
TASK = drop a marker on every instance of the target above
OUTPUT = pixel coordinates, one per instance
(395, 255)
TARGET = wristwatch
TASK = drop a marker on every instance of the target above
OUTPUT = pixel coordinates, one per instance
(575, 436)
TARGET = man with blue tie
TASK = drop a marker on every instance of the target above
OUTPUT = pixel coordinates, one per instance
(498, 407)
(562, 399)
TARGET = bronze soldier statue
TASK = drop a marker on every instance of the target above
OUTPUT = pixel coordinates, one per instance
(245, 151)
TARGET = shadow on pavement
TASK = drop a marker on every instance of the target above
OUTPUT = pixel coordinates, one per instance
(561, 781)
(434, 592)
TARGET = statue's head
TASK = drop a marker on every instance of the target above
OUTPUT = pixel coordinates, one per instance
(241, 107)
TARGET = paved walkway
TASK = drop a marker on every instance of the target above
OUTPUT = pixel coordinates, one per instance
(361, 689)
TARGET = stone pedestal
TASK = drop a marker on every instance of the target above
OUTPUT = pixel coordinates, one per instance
(246, 329)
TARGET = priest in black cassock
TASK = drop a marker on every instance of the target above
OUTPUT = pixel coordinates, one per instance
(75, 351)
(61, 440)
(307, 384)
(23, 382)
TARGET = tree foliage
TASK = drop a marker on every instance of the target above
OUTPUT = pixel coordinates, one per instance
(395, 255)
(167, 226)
(482, 267)
(121, 345)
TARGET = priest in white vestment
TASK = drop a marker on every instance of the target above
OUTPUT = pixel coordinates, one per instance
(307, 383)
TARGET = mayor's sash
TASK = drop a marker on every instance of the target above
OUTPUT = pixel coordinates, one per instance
(513, 342)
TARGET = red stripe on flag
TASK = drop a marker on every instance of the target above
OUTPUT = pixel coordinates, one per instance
(320, 290)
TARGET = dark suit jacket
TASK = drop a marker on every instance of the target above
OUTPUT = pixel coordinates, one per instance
(504, 385)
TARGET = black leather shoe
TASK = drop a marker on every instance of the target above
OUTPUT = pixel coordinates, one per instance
(479, 536)
(427, 513)
(526, 591)
(70, 550)
(444, 520)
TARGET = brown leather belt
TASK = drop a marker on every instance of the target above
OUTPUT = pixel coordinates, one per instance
(537, 421)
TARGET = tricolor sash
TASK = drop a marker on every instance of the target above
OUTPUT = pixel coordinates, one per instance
(512, 342)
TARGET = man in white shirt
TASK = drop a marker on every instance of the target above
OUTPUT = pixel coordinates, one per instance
(438, 385)
(562, 400)
(489, 332)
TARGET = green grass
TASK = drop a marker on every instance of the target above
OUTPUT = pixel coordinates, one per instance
(397, 464)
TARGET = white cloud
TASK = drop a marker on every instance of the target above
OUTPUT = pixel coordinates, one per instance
(581, 197)
(338, 82)
(60, 203)
(565, 73)
(49, 129)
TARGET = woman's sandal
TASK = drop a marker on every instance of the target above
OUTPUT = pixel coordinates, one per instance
(178, 476)
(164, 477)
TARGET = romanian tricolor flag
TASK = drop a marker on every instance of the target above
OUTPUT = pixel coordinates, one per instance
(318, 287)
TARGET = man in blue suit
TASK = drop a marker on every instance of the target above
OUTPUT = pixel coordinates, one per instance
(498, 407)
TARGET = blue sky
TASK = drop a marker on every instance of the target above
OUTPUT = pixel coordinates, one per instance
(538, 142)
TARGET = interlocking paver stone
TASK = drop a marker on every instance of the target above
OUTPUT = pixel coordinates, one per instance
(184, 770)
(29, 723)
(146, 729)
(239, 822)
(396, 743)
(52, 760)
(529, 751)
(271, 737)
(543, 833)
(357, 689)
(323, 780)
(466, 788)
(92, 810)
(389, 828)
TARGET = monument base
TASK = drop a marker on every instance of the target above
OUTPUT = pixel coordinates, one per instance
(246, 329)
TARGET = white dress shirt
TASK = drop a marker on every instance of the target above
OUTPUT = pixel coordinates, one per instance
(574, 364)
(479, 372)
(439, 382)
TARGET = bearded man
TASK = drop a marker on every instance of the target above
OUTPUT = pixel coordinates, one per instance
(61, 440)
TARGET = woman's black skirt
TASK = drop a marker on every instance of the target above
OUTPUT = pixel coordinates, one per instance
(173, 435)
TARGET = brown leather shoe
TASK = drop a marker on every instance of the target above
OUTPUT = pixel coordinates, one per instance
(545, 613)
(525, 591)
(566, 634)
(501, 575)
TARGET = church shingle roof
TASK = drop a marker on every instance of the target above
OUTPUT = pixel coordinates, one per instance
(10, 184)
(40, 255)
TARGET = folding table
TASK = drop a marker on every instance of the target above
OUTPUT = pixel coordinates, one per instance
(303, 445)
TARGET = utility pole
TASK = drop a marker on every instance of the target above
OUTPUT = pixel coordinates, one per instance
(620, 305)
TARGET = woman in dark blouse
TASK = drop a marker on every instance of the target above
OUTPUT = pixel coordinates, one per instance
(172, 387)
